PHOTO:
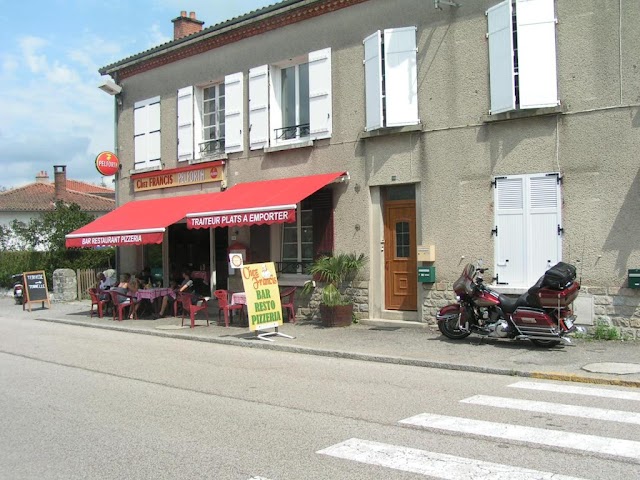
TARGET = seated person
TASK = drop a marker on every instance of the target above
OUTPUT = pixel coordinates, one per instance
(144, 279)
(130, 288)
(185, 286)
(104, 283)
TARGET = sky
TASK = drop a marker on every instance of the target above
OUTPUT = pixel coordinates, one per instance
(51, 109)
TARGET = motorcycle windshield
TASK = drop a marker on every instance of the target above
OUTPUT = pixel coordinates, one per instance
(464, 284)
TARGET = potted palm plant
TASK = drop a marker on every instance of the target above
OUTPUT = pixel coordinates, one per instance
(335, 273)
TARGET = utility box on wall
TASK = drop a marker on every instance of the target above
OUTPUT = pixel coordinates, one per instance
(426, 253)
(427, 274)
(634, 278)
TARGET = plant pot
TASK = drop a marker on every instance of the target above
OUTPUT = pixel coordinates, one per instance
(338, 316)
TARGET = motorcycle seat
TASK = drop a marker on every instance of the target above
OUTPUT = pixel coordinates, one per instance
(509, 304)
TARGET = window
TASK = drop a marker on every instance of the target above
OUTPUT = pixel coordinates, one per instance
(522, 55)
(311, 235)
(297, 242)
(294, 102)
(146, 128)
(391, 80)
(213, 120)
(290, 102)
(528, 227)
(210, 121)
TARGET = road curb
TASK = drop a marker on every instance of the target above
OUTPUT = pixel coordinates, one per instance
(366, 357)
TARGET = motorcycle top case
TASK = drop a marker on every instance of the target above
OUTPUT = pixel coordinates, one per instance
(559, 276)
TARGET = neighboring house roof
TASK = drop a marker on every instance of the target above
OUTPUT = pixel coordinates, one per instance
(41, 197)
(85, 187)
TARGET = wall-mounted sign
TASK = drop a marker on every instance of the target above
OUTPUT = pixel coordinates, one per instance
(177, 177)
(107, 163)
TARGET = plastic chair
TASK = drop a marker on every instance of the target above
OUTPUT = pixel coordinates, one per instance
(224, 306)
(287, 297)
(187, 300)
(100, 303)
(122, 305)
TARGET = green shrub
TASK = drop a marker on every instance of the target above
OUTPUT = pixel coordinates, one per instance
(604, 331)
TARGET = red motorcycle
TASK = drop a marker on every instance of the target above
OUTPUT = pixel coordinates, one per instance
(541, 315)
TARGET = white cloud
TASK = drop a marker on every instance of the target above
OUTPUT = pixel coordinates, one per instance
(30, 46)
(156, 36)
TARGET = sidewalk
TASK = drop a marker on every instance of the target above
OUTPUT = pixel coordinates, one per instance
(599, 362)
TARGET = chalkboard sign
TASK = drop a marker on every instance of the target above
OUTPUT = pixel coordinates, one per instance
(35, 288)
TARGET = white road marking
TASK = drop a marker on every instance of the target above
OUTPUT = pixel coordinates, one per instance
(436, 465)
(258, 478)
(593, 392)
(540, 436)
(555, 409)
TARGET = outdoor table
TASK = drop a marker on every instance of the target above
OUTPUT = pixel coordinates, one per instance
(152, 294)
(239, 298)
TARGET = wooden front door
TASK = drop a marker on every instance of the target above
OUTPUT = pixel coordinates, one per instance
(401, 281)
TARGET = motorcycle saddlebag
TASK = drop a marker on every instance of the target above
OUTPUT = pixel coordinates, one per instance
(559, 276)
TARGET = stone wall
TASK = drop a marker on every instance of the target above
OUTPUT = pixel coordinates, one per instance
(65, 285)
(307, 307)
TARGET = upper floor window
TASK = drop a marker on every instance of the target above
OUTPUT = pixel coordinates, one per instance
(290, 101)
(391, 80)
(210, 119)
(522, 55)
(146, 131)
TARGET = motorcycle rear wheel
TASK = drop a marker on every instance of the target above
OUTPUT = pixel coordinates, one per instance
(449, 330)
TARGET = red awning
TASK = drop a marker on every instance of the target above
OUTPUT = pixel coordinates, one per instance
(139, 222)
(269, 201)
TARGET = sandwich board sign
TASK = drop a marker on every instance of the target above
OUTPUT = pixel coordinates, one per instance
(35, 288)
(263, 299)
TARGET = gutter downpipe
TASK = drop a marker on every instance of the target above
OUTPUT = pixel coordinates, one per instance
(116, 177)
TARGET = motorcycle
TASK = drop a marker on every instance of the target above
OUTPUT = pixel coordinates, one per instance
(18, 288)
(541, 315)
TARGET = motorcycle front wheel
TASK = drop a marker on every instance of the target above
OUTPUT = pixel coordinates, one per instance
(449, 329)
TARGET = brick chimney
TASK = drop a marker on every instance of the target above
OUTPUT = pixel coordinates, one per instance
(183, 25)
(60, 180)
(42, 177)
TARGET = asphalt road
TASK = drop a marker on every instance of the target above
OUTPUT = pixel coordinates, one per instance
(88, 403)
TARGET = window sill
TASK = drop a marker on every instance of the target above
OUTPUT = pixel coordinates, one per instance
(145, 170)
(516, 114)
(378, 132)
(293, 279)
(508, 290)
(209, 158)
(289, 146)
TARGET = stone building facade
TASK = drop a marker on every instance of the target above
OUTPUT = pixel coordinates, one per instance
(505, 131)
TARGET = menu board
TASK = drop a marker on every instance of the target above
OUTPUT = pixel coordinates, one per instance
(35, 288)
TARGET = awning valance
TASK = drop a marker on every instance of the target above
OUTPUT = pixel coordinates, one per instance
(265, 202)
(138, 222)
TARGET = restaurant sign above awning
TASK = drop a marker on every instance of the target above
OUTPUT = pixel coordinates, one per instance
(265, 202)
(179, 177)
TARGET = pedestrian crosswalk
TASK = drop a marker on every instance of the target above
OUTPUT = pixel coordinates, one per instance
(444, 466)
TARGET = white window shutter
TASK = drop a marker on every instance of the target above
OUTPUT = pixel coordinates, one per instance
(146, 120)
(400, 77)
(233, 118)
(373, 81)
(259, 107)
(501, 69)
(544, 208)
(185, 124)
(320, 98)
(510, 249)
(536, 32)
(153, 138)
